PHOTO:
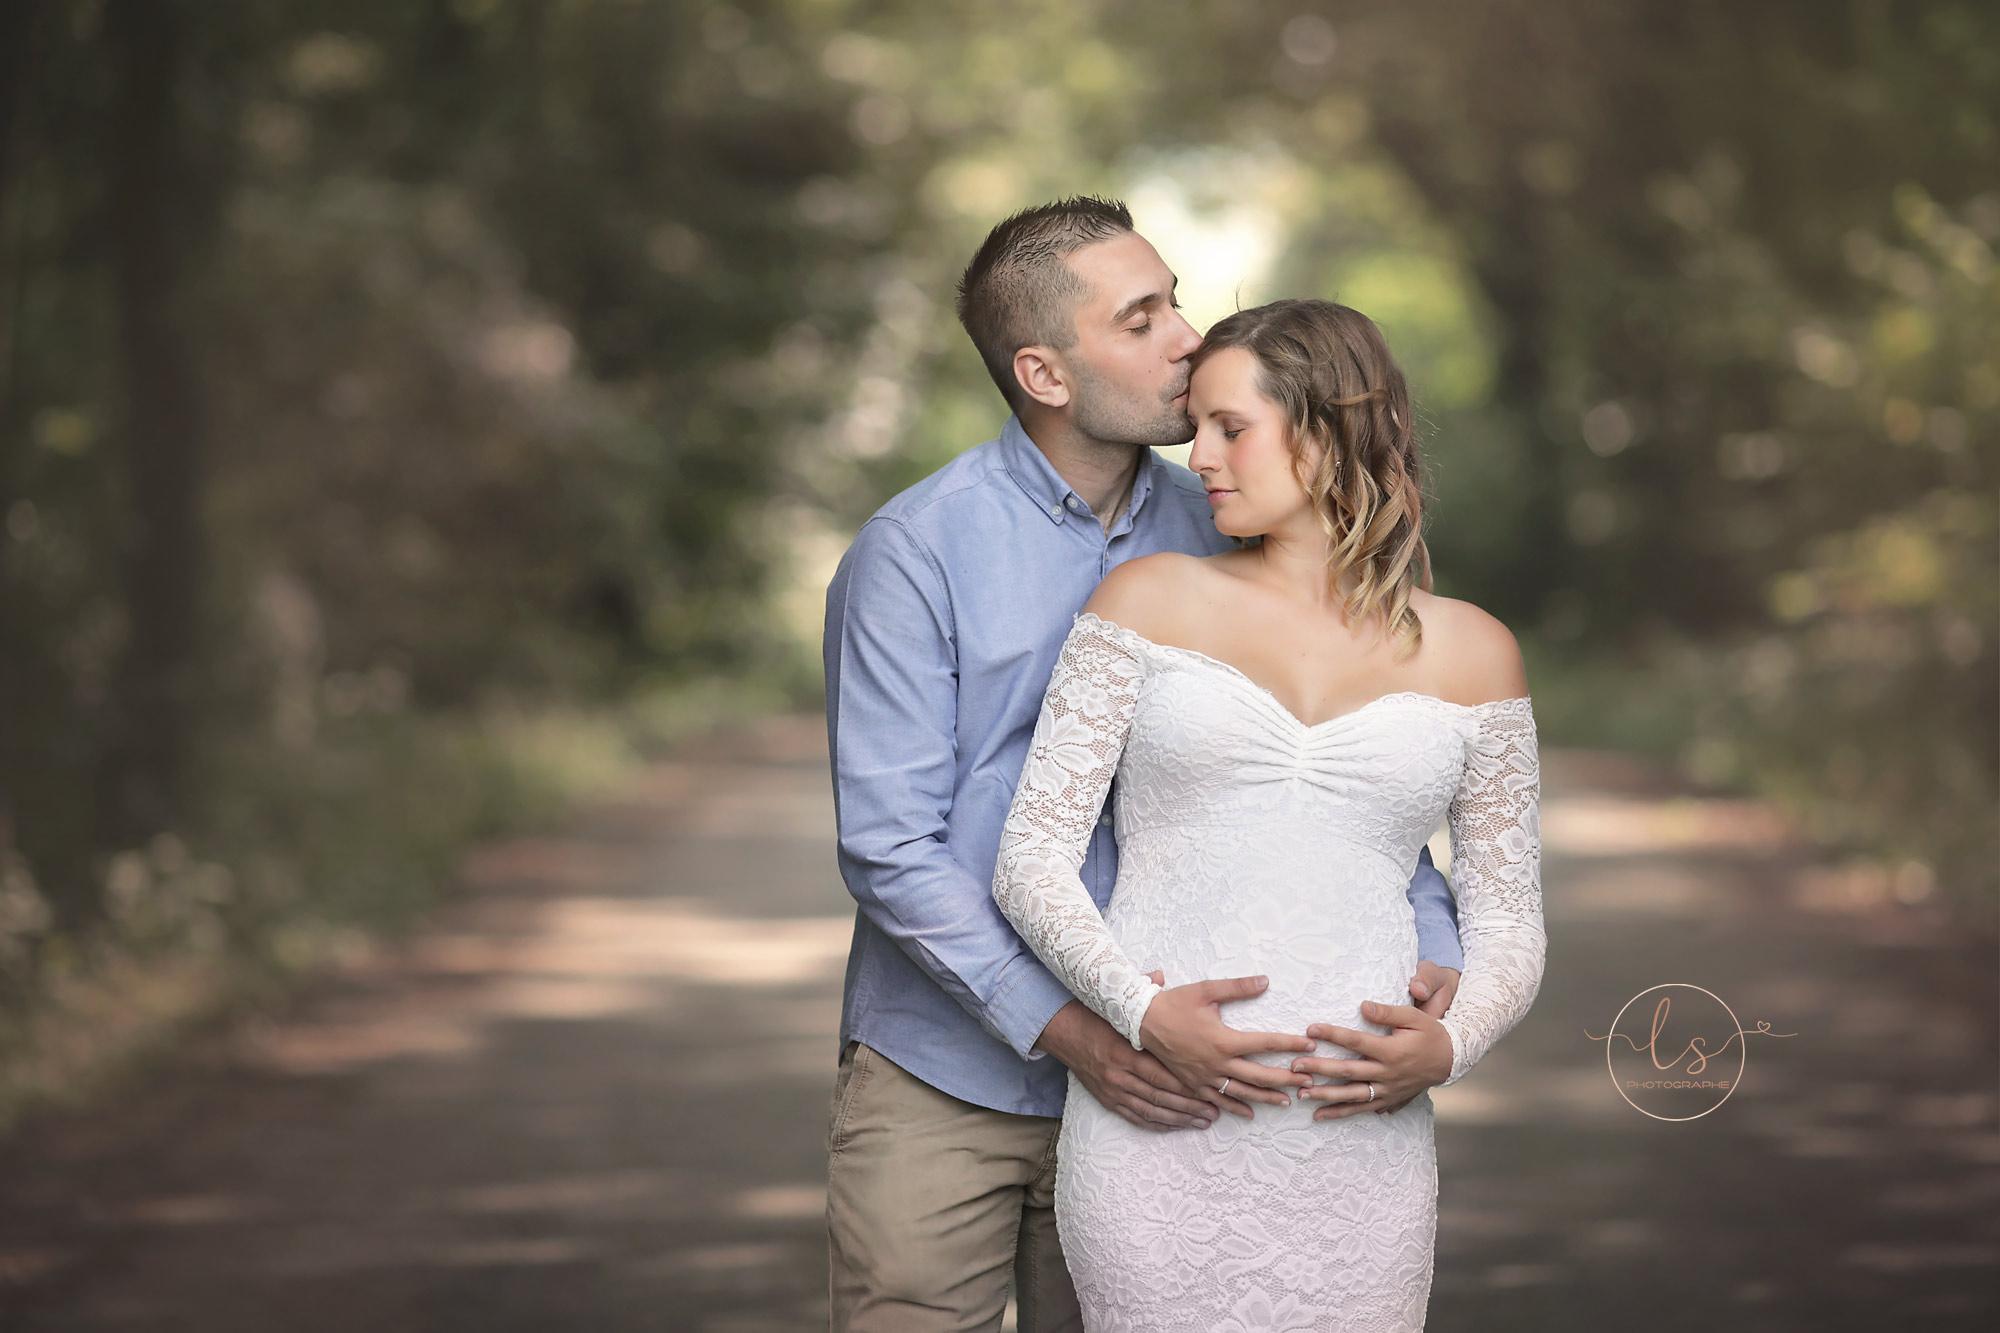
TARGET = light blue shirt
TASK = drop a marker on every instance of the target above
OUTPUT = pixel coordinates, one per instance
(942, 628)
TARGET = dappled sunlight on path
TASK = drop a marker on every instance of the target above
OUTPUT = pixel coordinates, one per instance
(592, 1091)
(1851, 1179)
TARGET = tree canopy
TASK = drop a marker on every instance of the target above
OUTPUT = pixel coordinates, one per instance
(384, 359)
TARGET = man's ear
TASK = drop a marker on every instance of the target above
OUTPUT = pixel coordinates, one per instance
(1042, 376)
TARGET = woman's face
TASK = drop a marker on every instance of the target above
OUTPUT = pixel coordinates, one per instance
(1242, 449)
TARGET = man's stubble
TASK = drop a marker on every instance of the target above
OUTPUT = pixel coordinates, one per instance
(1105, 416)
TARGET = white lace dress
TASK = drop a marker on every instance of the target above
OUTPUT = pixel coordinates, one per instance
(1251, 843)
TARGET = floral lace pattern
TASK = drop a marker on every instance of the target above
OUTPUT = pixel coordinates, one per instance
(1077, 742)
(1250, 842)
(1496, 875)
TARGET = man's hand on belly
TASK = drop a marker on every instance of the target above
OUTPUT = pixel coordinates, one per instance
(1415, 1055)
(1131, 1084)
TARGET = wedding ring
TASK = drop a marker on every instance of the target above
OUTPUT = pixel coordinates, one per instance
(1371, 1092)
(1224, 1089)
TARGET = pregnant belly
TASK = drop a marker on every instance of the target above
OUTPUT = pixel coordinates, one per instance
(1329, 922)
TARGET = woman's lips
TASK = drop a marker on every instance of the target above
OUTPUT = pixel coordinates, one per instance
(1217, 497)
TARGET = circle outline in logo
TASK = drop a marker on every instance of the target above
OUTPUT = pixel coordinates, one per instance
(1742, 1053)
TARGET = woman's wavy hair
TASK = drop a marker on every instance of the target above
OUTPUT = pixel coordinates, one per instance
(1354, 442)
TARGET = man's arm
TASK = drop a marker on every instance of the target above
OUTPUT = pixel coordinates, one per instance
(892, 707)
(1437, 915)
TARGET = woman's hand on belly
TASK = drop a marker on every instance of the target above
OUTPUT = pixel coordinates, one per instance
(1183, 1027)
(1415, 1054)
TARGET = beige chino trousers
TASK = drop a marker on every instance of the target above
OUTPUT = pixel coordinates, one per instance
(936, 1207)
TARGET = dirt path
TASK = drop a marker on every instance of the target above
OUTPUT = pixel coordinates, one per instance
(591, 1095)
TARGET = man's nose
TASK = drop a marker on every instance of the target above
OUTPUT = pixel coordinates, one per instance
(1189, 339)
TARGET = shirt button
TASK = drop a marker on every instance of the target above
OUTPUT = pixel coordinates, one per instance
(1076, 504)
(1105, 819)
(1055, 511)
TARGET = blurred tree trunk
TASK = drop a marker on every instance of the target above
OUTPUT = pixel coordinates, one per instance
(16, 31)
(150, 250)
(17, 21)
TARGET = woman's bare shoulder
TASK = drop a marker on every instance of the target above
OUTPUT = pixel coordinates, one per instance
(1476, 657)
(1145, 594)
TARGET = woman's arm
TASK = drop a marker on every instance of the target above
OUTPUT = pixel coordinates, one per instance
(1078, 739)
(1496, 859)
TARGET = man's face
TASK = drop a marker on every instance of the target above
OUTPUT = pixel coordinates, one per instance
(1129, 367)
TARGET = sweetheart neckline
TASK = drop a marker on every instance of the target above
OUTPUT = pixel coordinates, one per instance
(1278, 703)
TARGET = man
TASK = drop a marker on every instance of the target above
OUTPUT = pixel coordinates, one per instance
(943, 625)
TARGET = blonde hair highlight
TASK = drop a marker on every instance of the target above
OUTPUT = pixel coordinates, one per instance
(1329, 368)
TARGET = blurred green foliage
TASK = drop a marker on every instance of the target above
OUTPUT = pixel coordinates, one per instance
(1742, 262)
(369, 371)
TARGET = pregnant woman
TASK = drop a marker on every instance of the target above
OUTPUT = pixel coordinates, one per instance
(1286, 724)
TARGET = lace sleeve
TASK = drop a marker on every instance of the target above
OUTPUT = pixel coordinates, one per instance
(1079, 737)
(1496, 871)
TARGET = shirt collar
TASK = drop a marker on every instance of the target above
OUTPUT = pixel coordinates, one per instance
(1040, 482)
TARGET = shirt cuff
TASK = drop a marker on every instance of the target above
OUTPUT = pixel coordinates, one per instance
(1028, 998)
(1437, 942)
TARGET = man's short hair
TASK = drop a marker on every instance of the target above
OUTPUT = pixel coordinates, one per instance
(1019, 290)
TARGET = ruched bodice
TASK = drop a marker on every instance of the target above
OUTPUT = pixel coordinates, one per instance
(1220, 748)
(1250, 842)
